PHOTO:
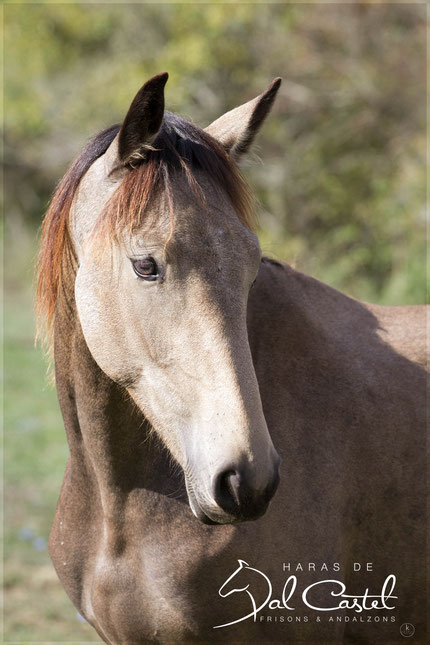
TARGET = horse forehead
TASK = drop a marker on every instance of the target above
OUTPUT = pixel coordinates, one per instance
(214, 225)
(215, 242)
(212, 219)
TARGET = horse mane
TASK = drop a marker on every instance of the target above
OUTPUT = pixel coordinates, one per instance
(179, 146)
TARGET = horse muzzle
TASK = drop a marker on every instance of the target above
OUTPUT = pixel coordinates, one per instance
(235, 496)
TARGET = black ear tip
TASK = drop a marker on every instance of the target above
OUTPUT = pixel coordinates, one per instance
(157, 82)
(275, 84)
(161, 78)
(272, 90)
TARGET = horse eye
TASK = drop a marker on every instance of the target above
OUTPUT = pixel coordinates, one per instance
(145, 268)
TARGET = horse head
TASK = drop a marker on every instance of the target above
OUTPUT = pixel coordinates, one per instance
(165, 262)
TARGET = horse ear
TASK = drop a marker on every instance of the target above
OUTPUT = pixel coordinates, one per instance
(236, 129)
(141, 124)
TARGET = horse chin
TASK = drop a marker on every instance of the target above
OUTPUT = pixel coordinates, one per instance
(197, 511)
(204, 517)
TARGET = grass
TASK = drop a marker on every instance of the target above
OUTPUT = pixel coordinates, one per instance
(36, 608)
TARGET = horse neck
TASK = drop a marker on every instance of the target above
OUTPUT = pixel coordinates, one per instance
(107, 434)
(307, 316)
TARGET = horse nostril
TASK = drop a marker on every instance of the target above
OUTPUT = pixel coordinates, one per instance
(226, 491)
(235, 492)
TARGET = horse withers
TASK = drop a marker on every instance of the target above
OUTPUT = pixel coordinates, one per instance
(181, 386)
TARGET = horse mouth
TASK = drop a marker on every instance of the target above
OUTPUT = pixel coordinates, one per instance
(215, 517)
(200, 514)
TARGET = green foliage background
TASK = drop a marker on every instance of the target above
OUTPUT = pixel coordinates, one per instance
(339, 171)
(341, 181)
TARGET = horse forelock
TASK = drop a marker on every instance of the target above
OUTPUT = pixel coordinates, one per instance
(178, 146)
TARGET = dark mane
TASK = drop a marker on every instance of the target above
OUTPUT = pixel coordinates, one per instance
(179, 146)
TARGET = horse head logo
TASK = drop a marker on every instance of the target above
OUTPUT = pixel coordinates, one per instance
(242, 578)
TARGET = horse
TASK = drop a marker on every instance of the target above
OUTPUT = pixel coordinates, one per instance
(187, 366)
